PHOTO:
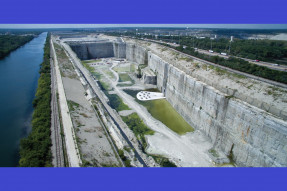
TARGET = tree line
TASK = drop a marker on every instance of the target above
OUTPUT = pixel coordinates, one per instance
(8, 43)
(265, 50)
(240, 65)
(35, 150)
(260, 49)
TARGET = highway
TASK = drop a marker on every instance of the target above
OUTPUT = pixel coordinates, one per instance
(260, 63)
(226, 68)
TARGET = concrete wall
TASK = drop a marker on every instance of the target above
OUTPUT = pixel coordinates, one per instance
(136, 54)
(94, 50)
(119, 50)
(81, 50)
(86, 51)
(255, 137)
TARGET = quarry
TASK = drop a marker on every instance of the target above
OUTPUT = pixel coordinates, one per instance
(141, 104)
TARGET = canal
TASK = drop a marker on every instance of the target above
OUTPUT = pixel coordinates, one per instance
(19, 73)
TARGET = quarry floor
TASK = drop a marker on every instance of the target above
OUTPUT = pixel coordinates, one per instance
(188, 150)
(94, 147)
(192, 149)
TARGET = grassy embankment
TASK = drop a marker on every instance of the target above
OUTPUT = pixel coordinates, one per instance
(8, 43)
(135, 123)
(123, 77)
(35, 150)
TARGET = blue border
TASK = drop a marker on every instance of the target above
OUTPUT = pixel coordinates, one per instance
(143, 179)
(143, 11)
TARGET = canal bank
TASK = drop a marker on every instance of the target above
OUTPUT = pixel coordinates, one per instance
(19, 73)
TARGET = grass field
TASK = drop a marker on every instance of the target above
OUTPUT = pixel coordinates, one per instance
(124, 78)
(125, 68)
(135, 123)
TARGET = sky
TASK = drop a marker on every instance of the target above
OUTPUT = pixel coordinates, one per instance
(232, 26)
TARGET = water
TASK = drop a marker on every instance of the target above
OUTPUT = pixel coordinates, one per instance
(163, 111)
(19, 73)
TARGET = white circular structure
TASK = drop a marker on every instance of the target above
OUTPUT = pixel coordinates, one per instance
(145, 95)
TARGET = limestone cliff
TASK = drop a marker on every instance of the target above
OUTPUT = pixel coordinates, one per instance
(255, 137)
(243, 118)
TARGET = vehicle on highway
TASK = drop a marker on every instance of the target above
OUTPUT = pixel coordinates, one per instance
(211, 51)
(223, 53)
(256, 60)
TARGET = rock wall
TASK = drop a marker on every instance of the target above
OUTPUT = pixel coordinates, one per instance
(253, 136)
(93, 50)
(160, 68)
(136, 54)
(148, 76)
(80, 50)
(119, 50)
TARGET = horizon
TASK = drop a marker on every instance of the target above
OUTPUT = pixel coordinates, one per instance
(190, 26)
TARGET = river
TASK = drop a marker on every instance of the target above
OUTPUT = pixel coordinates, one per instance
(19, 74)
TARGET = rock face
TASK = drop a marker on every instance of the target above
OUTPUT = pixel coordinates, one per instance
(149, 77)
(119, 50)
(95, 50)
(136, 54)
(253, 136)
(237, 127)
